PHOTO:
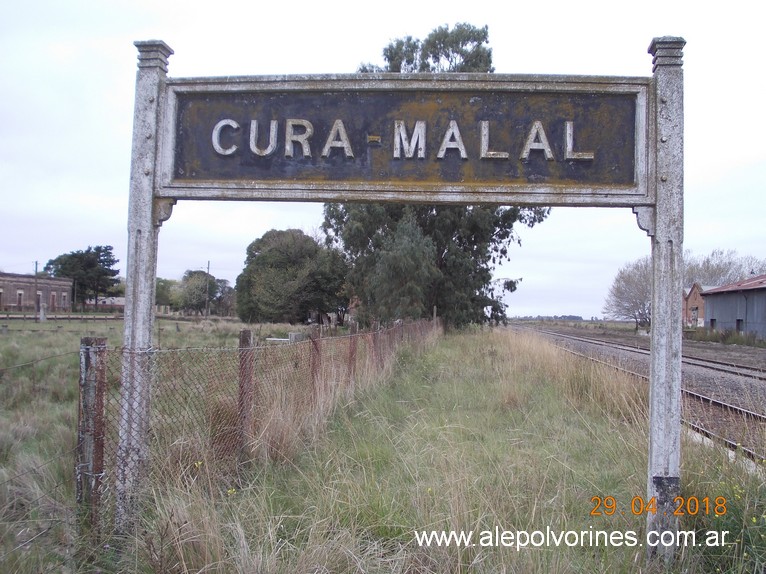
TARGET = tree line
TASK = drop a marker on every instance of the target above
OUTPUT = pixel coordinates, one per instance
(387, 261)
(630, 295)
(95, 277)
(393, 261)
(390, 261)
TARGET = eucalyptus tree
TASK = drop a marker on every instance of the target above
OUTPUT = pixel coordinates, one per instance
(288, 275)
(91, 270)
(463, 243)
(197, 289)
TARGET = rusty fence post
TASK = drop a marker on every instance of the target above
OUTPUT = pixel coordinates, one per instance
(89, 464)
(352, 340)
(376, 351)
(316, 364)
(246, 390)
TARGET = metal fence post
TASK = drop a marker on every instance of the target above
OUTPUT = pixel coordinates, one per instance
(376, 351)
(246, 390)
(352, 339)
(316, 363)
(89, 465)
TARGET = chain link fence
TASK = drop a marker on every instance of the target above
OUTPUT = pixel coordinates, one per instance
(223, 408)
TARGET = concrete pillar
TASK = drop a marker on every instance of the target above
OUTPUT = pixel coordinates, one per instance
(667, 289)
(145, 215)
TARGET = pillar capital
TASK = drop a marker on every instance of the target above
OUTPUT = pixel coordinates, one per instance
(667, 51)
(153, 54)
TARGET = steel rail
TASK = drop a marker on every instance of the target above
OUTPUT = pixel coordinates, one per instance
(721, 366)
(745, 413)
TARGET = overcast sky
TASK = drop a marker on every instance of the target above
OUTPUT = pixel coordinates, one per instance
(67, 71)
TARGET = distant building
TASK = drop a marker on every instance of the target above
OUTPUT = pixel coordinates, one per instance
(739, 307)
(27, 293)
(107, 304)
(694, 305)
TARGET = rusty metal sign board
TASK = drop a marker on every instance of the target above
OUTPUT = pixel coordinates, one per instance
(526, 140)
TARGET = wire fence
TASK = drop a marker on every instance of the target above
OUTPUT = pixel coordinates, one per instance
(228, 408)
(35, 467)
(34, 506)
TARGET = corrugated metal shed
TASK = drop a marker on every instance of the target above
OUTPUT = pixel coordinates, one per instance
(755, 282)
(739, 306)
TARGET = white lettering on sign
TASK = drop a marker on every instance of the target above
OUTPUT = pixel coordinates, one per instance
(217, 137)
(338, 138)
(401, 140)
(569, 145)
(485, 152)
(273, 128)
(299, 132)
(452, 140)
(537, 140)
(302, 138)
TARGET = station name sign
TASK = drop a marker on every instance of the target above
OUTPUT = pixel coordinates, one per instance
(451, 137)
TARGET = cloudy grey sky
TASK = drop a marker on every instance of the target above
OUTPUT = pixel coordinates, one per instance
(67, 72)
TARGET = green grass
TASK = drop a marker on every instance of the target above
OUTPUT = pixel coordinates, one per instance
(485, 430)
(727, 337)
(39, 371)
(482, 430)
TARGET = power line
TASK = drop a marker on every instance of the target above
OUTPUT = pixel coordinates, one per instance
(2, 370)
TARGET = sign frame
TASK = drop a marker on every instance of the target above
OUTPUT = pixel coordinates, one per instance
(640, 193)
(658, 208)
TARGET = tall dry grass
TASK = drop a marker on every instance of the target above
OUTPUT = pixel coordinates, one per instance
(485, 430)
(39, 371)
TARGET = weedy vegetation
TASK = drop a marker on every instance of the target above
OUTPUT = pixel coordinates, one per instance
(485, 431)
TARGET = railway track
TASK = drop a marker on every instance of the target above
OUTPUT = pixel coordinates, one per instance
(721, 366)
(738, 426)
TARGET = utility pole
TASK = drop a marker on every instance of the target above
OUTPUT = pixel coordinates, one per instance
(207, 291)
(37, 301)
